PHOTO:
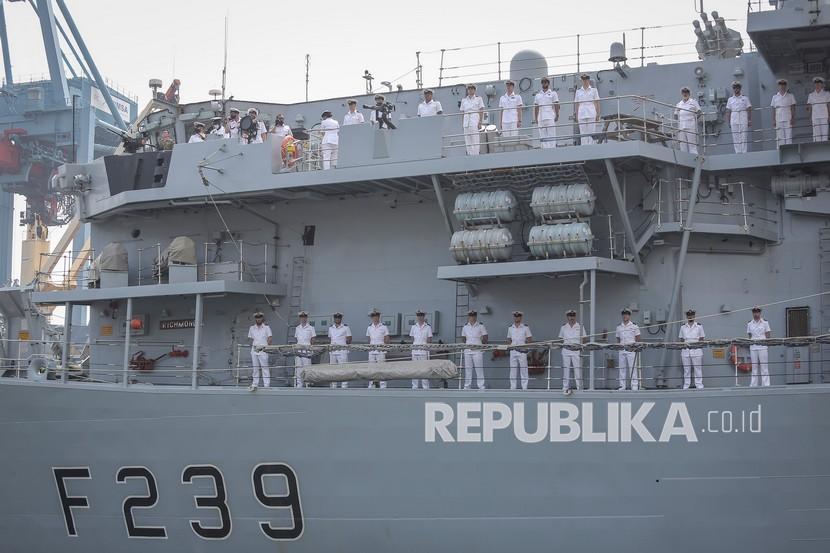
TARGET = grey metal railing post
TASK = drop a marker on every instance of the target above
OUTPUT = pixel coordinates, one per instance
(67, 333)
(127, 335)
(197, 338)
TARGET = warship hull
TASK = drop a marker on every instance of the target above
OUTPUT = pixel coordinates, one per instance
(397, 471)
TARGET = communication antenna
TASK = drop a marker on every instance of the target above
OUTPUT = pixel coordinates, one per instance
(225, 63)
(307, 58)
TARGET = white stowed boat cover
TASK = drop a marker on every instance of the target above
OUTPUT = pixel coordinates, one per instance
(112, 258)
(390, 370)
(181, 251)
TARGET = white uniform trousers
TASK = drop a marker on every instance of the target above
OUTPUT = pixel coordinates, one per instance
(587, 130)
(510, 130)
(473, 361)
(329, 153)
(472, 138)
(299, 364)
(377, 357)
(687, 136)
(259, 362)
(784, 132)
(518, 360)
(420, 356)
(547, 133)
(820, 128)
(339, 357)
(627, 369)
(759, 366)
(571, 359)
(692, 361)
(739, 132)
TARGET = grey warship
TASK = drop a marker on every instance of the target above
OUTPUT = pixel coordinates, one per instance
(136, 430)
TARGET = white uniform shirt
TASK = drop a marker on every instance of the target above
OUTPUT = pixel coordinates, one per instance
(571, 335)
(473, 334)
(304, 334)
(428, 109)
(518, 334)
(218, 131)
(782, 104)
(819, 102)
(260, 130)
(420, 333)
(691, 334)
(687, 110)
(195, 137)
(627, 332)
(281, 131)
(738, 107)
(758, 331)
(353, 118)
(331, 128)
(586, 97)
(233, 128)
(338, 334)
(545, 100)
(376, 333)
(259, 334)
(470, 108)
(511, 104)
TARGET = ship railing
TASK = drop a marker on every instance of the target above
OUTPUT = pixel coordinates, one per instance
(64, 271)
(249, 261)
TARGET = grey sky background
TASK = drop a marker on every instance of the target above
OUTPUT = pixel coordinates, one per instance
(268, 40)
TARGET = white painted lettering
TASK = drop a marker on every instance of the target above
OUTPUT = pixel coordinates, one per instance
(677, 410)
(564, 415)
(635, 422)
(588, 434)
(467, 422)
(490, 422)
(519, 428)
(432, 424)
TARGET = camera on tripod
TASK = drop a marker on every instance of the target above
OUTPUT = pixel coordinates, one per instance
(382, 111)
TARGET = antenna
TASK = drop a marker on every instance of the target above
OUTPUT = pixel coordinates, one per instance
(225, 64)
(307, 58)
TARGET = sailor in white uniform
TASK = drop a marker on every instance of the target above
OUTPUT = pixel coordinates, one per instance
(280, 130)
(259, 137)
(739, 111)
(783, 102)
(686, 111)
(217, 129)
(692, 332)
(818, 102)
(472, 107)
(511, 105)
(421, 333)
(571, 333)
(758, 329)
(304, 333)
(628, 333)
(260, 335)
(198, 133)
(353, 117)
(232, 126)
(429, 107)
(330, 141)
(339, 335)
(546, 113)
(587, 110)
(474, 333)
(378, 333)
(518, 334)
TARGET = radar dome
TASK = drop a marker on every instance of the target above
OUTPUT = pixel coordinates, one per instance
(528, 63)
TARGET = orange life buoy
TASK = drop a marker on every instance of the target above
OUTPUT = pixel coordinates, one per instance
(291, 151)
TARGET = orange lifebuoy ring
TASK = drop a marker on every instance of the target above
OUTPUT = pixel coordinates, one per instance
(291, 150)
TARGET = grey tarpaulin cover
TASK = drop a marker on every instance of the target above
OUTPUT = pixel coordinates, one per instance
(112, 258)
(182, 250)
(390, 370)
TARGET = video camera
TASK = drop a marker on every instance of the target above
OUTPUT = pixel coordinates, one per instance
(382, 112)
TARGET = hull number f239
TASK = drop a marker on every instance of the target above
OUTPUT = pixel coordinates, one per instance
(216, 501)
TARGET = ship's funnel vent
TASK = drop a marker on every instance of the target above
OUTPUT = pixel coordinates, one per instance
(528, 64)
(617, 53)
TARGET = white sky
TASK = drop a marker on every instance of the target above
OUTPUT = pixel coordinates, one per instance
(268, 41)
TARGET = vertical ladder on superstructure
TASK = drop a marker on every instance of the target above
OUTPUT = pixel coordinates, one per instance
(462, 305)
(295, 300)
(824, 265)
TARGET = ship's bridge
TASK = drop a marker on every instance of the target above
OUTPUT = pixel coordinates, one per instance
(793, 37)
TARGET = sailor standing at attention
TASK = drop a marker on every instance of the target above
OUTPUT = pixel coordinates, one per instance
(758, 329)
(329, 144)
(587, 109)
(546, 113)
(421, 333)
(473, 333)
(573, 334)
(739, 111)
(784, 103)
(817, 103)
(692, 332)
(429, 107)
(686, 112)
(260, 336)
(339, 335)
(518, 334)
(511, 105)
(198, 133)
(353, 117)
(472, 107)
(232, 126)
(304, 333)
(628, 333)
(378, 334)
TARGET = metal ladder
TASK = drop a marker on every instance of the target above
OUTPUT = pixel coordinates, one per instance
(462, 305)
(295, 300)
(824, 267)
